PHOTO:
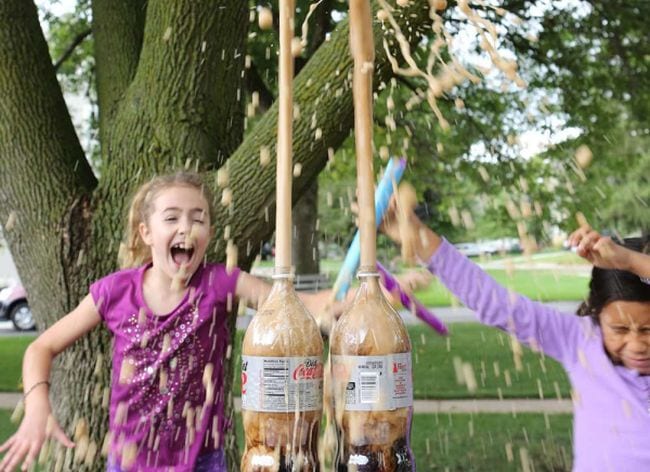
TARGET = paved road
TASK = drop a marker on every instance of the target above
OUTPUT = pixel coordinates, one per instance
(9, 400)
(7, 329)
(446, 314)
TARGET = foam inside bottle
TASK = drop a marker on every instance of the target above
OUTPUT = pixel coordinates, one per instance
(373, 435)
(282, 430)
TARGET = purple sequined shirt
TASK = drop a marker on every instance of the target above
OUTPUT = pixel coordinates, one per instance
(160, 413)
(611, 422)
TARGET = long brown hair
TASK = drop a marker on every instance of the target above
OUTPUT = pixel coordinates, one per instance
(134, 252)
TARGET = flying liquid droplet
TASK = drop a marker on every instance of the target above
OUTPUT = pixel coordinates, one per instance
(265, 18)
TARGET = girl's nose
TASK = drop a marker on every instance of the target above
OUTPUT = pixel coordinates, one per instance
(185, 226)
(637, 342)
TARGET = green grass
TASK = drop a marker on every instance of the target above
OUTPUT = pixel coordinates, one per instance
(486, 349)
(6, 427)
(469, 442)
(540, 285)
(487, 442)
(11, 353)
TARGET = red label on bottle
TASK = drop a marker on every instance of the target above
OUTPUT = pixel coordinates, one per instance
(309, 370)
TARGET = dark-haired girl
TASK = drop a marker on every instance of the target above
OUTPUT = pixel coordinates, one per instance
(606, 354)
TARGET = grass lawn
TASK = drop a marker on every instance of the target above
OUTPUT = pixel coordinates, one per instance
(11, 353)
(537, 284)
(540, 285)
(488, 352)
(486, 349)
(466, 442)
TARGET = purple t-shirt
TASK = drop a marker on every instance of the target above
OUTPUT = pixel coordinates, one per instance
(611, 424)
(160, 413)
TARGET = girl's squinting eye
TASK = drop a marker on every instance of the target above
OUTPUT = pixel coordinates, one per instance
(170, 218)
(198, 221)
(619, 329)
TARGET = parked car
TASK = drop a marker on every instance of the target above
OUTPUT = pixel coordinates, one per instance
(469, 249)
(14, 307)
(489, 247)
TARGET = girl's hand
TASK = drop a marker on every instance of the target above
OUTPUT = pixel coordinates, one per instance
(423, 239)
(600, 250)
(25, 445)
(413, 280)
(389, 224)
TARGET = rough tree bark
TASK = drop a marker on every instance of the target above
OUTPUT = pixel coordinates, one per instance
(306, 256)
(173, 99)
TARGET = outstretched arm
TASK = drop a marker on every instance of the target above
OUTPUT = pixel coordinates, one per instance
(320, 304)
(38, 423)
(602, 252)
(532, 323)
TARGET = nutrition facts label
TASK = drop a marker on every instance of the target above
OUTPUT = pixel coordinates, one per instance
(374, 382)
(281, 384)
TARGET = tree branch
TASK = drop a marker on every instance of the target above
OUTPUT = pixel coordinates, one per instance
(70, 49)
(322, 93)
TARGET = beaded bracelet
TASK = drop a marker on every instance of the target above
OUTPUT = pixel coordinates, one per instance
(34, 386)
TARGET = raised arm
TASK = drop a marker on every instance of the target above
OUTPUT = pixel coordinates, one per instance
(38, 422)
(532, 323)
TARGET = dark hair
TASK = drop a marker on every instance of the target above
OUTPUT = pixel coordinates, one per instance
(610, 285)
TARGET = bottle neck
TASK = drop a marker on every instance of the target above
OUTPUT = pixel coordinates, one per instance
(369, 279)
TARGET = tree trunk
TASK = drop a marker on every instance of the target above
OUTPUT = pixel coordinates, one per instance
(118, 27)
(306, 257)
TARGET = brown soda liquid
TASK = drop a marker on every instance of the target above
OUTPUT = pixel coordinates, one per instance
(371, 374)
(282, 375)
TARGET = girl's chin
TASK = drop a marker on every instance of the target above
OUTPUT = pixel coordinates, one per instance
(641, 366)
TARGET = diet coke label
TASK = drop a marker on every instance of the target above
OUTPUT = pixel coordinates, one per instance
(371, 383)
(281, 384)
(310, 369)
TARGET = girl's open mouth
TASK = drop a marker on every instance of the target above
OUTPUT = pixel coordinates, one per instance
(181, 255)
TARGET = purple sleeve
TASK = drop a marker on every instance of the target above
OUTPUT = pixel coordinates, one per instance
(223, 281)
(555, 333)
(100, 296)
(230, 280)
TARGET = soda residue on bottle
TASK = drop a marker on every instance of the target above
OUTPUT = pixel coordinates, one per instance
(282, 385)
(372, 381)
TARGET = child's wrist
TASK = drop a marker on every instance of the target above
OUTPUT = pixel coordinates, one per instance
(37, 404)
(634, 263)
(427, 242)
(627, 261)
(37, 396)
